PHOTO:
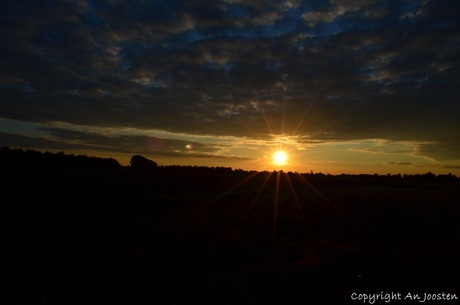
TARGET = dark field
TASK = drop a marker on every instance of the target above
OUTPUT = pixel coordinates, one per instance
(121, 237)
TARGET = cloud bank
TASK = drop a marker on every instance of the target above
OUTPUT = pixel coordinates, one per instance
(324, 70)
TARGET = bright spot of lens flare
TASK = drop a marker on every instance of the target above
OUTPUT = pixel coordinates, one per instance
(280, 158)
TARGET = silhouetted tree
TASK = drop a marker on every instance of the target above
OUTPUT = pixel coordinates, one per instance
(139, 162)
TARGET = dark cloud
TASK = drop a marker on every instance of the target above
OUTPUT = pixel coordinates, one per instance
(451, 166)
(400, 163)
(332, 71)
(64, 139)
(132, 143)
(15, 140)
(440, 151)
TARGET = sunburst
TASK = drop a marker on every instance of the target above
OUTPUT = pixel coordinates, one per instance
(280, 158)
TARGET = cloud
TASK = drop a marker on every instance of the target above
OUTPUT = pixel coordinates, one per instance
(335, 10)
(15, 140)
(65, 139)
(452, 166)
(335, 71)
(400, 163)
(132, 143)
(440, 151)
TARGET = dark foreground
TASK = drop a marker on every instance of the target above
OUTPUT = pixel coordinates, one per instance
(87, 237)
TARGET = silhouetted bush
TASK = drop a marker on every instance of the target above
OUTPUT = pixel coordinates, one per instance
(139, 162)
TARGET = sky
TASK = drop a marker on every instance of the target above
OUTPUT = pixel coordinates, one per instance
(359, 86)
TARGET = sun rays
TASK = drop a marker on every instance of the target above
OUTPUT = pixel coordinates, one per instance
(267, 202)
(275, 197)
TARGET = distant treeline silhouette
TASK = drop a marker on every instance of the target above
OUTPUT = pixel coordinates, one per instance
(19, 158)
(413, 177)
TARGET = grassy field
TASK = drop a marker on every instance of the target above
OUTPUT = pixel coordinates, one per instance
(121, 237)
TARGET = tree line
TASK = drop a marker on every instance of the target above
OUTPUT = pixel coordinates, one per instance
(19, 158)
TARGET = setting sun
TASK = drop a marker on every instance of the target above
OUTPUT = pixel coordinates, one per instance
(280, 158)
